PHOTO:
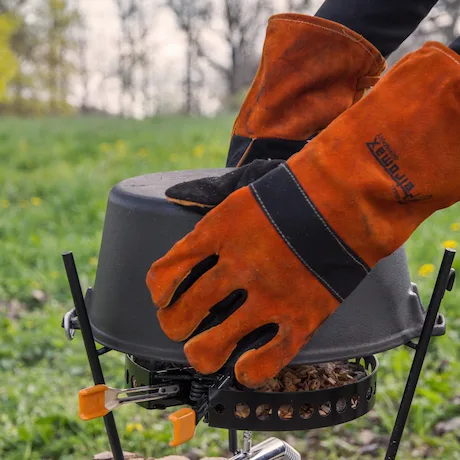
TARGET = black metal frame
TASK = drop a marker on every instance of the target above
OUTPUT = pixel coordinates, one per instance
(91, 351)
(444, 281)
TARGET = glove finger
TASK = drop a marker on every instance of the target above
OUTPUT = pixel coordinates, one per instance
(182, 318)
(167, 274)
(255, 367)
(209, 351)
(211, 191)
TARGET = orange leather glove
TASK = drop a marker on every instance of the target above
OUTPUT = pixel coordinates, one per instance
(311, 71)
(295, 243)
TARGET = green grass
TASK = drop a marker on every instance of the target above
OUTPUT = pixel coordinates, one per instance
(55, 176)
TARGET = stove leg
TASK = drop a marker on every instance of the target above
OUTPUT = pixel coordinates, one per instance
(444, 281)
(90, 347)
(233, 441)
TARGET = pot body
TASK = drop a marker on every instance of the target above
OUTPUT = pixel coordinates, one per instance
(140, 226)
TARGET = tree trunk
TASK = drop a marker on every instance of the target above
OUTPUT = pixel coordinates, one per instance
(188, 76)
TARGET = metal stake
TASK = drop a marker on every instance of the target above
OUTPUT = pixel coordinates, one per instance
(444, 281)
(91, 351)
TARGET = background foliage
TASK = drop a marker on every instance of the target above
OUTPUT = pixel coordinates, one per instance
(148, 57)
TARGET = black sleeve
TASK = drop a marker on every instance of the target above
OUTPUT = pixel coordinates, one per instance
(385, 23)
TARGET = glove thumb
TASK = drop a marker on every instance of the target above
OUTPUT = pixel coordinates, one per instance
(209, 192)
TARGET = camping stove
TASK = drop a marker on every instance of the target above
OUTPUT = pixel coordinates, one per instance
(384, 312)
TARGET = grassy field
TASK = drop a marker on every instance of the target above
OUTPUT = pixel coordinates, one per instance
(56, 175)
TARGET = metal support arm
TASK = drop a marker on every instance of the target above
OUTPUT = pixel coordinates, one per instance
(444, 281)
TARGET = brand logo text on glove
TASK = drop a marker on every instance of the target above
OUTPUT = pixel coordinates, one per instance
(386, 157)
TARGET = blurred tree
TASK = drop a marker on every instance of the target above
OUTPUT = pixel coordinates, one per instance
(126, 10)
(8, 62)
(55, 57)
(44, 46)
(11, 6)
(143, 52)
(192, 17)
(243, 23)
(299, 6)
(24, 43)
(135, 54)
(83, 68)
(21, 42)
